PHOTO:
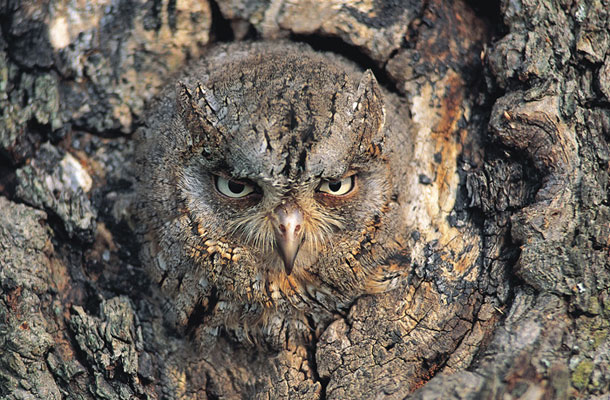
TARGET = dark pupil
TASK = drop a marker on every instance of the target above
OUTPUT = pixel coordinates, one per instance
(236, 187)
(334, 186)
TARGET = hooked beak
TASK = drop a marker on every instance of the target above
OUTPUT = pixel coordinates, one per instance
(288, 229)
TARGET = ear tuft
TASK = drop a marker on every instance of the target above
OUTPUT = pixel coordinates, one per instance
(198, 109)
(369, 113)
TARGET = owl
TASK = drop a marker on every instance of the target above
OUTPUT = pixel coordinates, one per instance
(270, 187)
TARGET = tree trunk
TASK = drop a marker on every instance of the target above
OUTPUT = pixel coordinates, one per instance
(507, 292)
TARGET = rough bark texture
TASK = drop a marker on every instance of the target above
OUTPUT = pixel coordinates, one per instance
(508, 292)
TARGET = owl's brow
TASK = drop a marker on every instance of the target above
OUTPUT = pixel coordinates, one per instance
(227, 176)
(222, 172)
(350, 172)
(321, 177)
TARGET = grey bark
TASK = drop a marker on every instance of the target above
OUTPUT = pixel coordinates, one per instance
(508, 297)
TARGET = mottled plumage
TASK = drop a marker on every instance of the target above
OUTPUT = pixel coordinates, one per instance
(270, 190)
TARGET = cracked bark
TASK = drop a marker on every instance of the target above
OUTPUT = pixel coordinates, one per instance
(507, 295)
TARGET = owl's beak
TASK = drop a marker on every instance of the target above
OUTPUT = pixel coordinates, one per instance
(288, 229)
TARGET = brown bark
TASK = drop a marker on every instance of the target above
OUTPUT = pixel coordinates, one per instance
(507, 292)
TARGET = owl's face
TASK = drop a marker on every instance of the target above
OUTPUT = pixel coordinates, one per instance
(289, 225)
(284, 174)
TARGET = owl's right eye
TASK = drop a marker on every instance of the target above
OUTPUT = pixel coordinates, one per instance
(233, 189)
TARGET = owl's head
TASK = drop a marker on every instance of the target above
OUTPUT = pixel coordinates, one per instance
(284, 174)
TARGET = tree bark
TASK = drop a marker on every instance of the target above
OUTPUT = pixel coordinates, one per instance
(506, 294)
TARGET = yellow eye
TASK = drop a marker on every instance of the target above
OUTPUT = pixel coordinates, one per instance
(233, 189)
(338, 188)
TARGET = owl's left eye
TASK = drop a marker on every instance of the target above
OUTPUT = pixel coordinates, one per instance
(338, 187)
(233, 189)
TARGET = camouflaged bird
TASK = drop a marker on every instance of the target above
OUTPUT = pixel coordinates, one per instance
(270, 186)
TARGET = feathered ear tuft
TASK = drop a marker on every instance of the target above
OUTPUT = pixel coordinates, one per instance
(369, 114)
(199, 111)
